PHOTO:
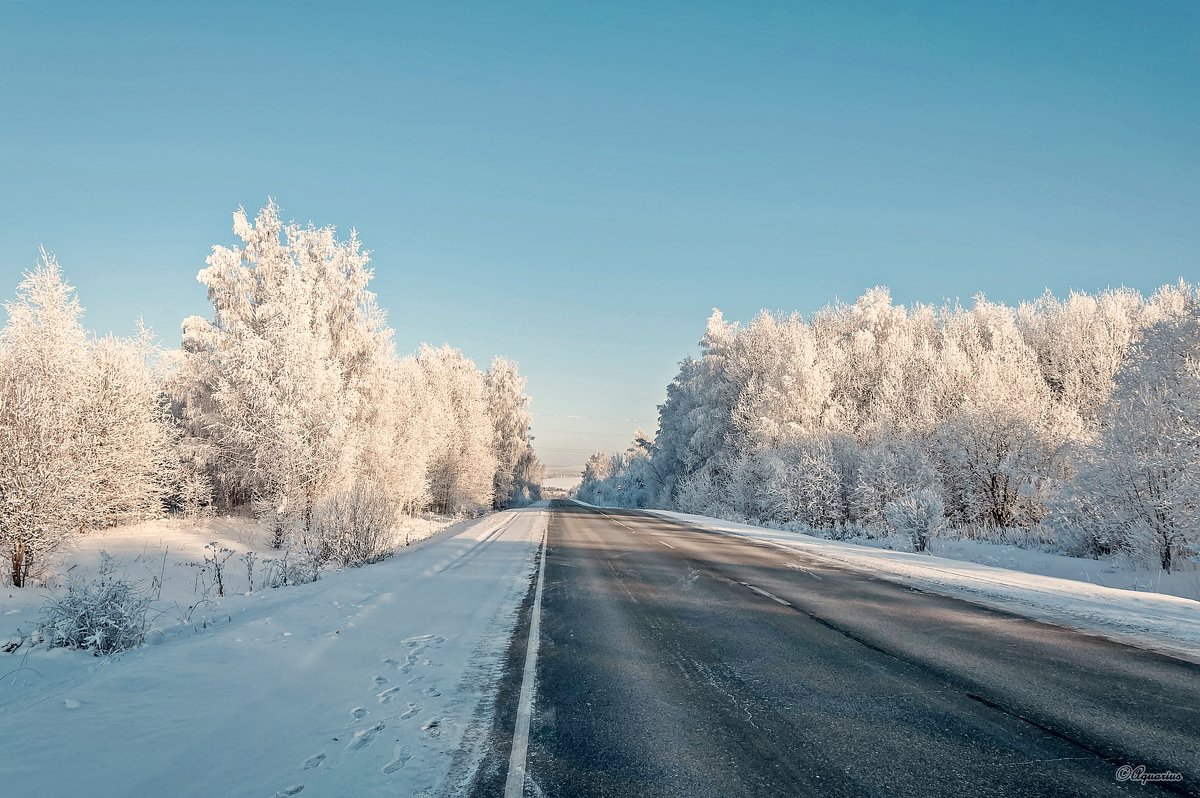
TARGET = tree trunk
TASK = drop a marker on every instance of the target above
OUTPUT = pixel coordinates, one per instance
(18, 563)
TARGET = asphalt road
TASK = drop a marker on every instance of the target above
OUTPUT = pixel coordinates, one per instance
(675, 662)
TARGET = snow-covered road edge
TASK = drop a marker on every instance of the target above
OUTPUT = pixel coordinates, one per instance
(371, 681)
(1154, 621)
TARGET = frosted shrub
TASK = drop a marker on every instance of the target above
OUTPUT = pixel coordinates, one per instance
(919, 514)
(355, 526)
(290, 568)
(107, 615)
(698, 493)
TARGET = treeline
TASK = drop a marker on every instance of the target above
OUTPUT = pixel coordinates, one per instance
(289, 402)
(1080, 417)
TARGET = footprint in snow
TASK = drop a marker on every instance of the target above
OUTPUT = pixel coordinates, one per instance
(431, 692)
(399, 759)
(293, 790)
(387, 694)
(381, 680)
(358, 713)
(314, 761)
(363, 738)
(435, 640)
(408, 713)
(432, 727)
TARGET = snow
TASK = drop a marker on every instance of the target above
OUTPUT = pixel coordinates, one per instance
(370, 681)
(1166, 623)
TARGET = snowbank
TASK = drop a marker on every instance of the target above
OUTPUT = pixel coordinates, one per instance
(363, 683)
(1166, 623)
(166, 555)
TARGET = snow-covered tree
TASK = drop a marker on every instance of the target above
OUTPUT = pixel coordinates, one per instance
(285, 368)
(596, 472)
(131, 439)
(1138, 487)
(406, 428)
(783, 391)
(888, 468)
(999, 450)
(1081, 343)
(463, 466)
(918, 514)
(833, 419)
(85, 440)
(43, 367)
(517, 480)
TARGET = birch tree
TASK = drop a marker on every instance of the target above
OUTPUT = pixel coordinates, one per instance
(85, 440)
(1138, 489)
(43, 361)
(463, 465)
(286, 363)
(508, 409)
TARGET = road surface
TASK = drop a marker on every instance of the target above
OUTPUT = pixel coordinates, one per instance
(676, 662)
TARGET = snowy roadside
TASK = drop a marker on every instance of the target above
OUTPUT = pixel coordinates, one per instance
(167, 556)
(1155, 621)
(363, 683)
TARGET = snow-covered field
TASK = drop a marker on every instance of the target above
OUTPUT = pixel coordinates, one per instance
(1152, 620)
(563, 483)
(168, 554)
(365, 682)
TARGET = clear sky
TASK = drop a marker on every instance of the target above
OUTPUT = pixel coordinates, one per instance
(575, 184)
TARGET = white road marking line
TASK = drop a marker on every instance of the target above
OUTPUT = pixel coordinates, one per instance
(615, 521)
(765, 594)
(514, 785)
(795, 567)
(665, 543)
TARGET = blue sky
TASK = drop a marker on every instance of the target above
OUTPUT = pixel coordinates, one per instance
(576, 184)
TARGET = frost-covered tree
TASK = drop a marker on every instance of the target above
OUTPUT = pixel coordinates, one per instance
(622, 479)
(131, 438)
(783, 391)
(1138, 487)
(1006, 441)
(918, 514)
(993, 410)
(517, 480)
(463, 465)
(888, 468)
(1081, 343)
(43, 367)
(403, 434)
(85, 440)
(284, 371)
(596, 472)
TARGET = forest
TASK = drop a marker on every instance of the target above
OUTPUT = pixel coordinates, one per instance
(289, 402)
(1071, 424)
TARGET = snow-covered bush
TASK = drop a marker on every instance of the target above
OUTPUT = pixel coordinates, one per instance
(107, 615)
(291, 567)
(918, 514)
(808, 484)
(694, 493)
(356, 526)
